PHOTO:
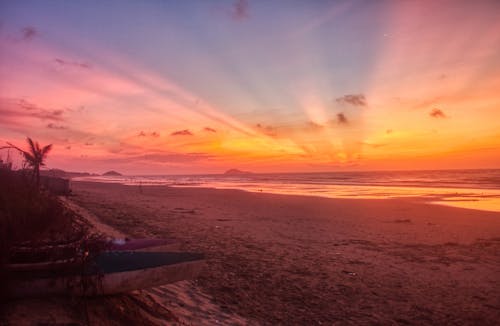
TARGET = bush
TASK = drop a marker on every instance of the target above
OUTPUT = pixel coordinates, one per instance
(31, 217)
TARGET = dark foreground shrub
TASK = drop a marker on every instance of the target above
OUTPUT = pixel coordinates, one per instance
(30, 217)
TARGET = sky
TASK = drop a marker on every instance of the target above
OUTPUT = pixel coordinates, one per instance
(180, 87)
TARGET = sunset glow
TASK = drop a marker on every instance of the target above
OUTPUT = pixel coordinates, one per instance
(201, 86)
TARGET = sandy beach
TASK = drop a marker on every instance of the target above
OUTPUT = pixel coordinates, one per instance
(277, 259)
(314, 163)
(291, 260)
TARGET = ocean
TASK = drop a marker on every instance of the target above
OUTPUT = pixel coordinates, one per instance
(476, 189)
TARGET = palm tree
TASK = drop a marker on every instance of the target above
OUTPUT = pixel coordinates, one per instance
(35, 157)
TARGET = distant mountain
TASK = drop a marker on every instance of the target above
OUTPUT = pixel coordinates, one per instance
(236, 172)
(112, 174)
(64, 174)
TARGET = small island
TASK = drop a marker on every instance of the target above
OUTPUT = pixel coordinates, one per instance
(112, 174)
(236, 172)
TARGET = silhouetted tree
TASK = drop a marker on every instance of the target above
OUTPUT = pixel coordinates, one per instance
(34, 157)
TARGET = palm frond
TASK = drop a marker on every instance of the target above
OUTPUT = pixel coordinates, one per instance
(34, 157)
(13, 146)
(29, 158)
(32, 145)
(46, 150)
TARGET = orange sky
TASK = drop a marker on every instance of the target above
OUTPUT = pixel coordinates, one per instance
(201, 88)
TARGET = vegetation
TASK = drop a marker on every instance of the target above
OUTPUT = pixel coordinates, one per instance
(34, 157)
(28, 214)
(32, 217)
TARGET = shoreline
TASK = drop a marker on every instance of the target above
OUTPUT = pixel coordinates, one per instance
(451, 197)
(297, 259)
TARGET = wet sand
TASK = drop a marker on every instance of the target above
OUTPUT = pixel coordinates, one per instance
(277, 259)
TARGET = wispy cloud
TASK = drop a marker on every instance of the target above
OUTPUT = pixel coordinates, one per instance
(29, 33)
(41, 113)
(352, 99)
(442, 77)
(56, 127)
(420, 104)
(208, 129)
(77, 64)
(240, 10)
(151, 134)
(20, 108)
(437, 113)
(267, 130)
(175, 157)
(161, 157)
(372, 145)
(313, 126)
(184, 132)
